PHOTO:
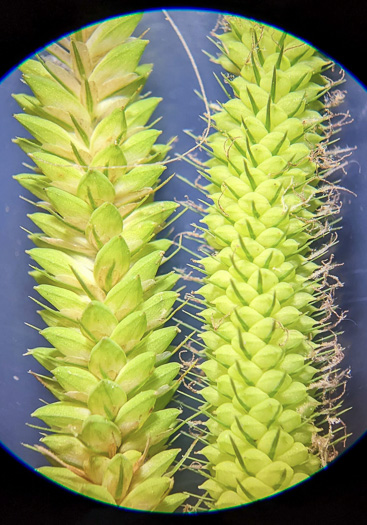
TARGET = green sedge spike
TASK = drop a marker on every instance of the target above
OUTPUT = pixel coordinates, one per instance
(271, 365)
(97, 166)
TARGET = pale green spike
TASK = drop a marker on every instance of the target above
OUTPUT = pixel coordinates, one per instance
(98, 168)
(260, 328)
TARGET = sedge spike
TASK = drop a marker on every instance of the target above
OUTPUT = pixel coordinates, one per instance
(269, 313)
(97, 166)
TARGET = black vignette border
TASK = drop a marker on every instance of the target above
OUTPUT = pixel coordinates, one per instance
(335, 495)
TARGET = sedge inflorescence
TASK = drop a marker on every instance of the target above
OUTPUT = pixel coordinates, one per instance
(270, 370)
(268, 302)
(97, 167)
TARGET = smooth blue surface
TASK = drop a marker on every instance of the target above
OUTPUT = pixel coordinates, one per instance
(173, 78)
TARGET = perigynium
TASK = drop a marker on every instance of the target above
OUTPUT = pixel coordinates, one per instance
(271, 349)
(96, 168)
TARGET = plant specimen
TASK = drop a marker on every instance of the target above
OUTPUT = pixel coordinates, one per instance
(271, 349)
(272, 354)
(96, 168)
